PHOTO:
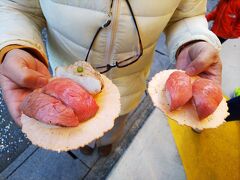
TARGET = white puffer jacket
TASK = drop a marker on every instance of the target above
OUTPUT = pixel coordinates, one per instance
(72, 25)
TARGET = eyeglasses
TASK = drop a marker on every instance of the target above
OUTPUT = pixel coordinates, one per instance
(125, 62)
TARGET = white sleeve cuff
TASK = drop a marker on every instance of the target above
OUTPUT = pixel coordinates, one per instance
(189, 29)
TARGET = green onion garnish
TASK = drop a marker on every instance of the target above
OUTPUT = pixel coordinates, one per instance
(79, 69)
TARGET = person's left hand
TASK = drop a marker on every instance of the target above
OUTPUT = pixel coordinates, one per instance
(202, 59)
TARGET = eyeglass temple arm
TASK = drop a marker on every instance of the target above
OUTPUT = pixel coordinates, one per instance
(108, 22)
(135, 22)
(95, 36)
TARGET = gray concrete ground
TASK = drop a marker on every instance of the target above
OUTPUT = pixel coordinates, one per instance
(230, 56)
(12, 140)
(152, 154)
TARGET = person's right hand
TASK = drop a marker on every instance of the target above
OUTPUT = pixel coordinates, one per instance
(20, 74)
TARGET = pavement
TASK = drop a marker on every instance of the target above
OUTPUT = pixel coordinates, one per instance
(152, 154)
(230, 56)
(12, 140)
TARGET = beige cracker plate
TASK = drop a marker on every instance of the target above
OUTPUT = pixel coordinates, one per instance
(68, 138)
(187, 114)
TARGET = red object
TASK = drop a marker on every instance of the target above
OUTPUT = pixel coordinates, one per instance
(73, 96)
(178, 89)
(206, 97)
(226, 17)
(61, 102)
(48, 110)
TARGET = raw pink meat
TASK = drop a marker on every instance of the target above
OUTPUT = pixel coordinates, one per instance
(61, 102)
(48, 110)
(178, 89)
(206, 97)
(73, 96)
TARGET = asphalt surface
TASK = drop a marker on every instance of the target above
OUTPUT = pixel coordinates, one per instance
(12, 140)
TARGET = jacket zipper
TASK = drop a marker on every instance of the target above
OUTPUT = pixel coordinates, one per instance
(111, 35)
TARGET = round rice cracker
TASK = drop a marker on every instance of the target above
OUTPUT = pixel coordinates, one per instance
(185, 115)
(58, 138)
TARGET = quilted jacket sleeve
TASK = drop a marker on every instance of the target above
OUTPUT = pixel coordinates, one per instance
(21, 25)
(188, 23)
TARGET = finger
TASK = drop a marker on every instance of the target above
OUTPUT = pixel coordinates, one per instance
(25, 77)
(214, 78)
(182, 62)
(13, 97)
(24, 70)
(15, 113)
(1, 78)
(31, 79)
(214, 73)
(41, 68)
(5, 83)
(198, 65)
(13, 101)
(183, 59)
(35, 64)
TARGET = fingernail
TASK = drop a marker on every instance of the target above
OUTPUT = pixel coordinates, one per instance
(190, 70)
(42, 81)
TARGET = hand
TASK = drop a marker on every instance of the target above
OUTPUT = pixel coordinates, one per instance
(202, 59)
(20, 74)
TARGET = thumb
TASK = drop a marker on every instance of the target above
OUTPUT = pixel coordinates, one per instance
(31, 79)
(25, 77)
(24, 70)
(197, 66)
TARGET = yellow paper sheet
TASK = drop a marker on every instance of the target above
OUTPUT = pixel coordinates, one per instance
(212, 155)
